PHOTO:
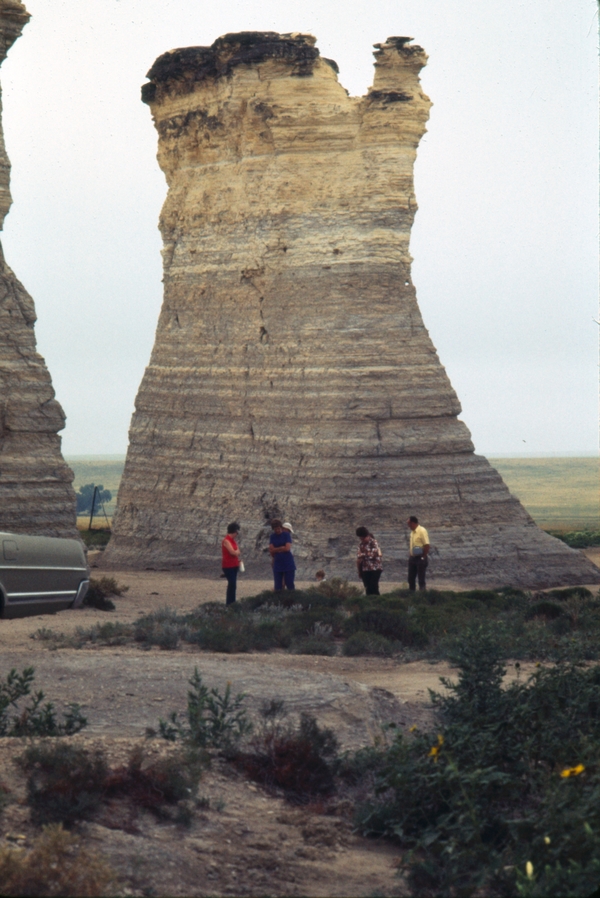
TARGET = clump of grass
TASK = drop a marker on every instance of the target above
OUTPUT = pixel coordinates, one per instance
(99, 592)
(502, 796)
(56, 866)
(34, 718)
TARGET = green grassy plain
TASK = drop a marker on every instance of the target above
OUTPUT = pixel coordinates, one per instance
(559, 493)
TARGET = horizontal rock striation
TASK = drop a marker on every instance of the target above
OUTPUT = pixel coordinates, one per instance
(36, 495)
(292, 373)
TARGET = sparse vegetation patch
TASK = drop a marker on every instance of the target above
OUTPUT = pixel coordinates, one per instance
(336, 617)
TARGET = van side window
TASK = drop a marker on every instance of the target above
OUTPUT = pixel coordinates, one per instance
(10, 549)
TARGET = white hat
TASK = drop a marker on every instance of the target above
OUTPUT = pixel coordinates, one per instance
(288, 526)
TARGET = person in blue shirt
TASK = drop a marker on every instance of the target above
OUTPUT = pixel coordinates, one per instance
(280, 548)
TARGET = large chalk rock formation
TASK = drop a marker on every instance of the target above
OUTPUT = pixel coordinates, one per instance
(292, 373)
(36, 495)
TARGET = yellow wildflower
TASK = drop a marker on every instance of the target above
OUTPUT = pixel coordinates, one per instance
(547, 840)
(412, 728)
(529, 870)
(433, 752)
(572, 771)
(440, 740)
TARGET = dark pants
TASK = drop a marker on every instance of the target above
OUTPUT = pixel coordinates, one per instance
(371, 581)
(417, 565)
(278, 577)
(231, 576)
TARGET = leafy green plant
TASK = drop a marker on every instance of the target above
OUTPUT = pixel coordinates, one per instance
(212, 720)
(34, 718)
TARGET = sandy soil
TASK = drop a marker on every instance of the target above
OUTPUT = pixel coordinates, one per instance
(248, 841)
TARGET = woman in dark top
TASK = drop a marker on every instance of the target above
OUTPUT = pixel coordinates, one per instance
(368, 561)
(280, 548)
(231, 557)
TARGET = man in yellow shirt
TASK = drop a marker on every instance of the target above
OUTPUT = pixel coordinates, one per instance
(419, 550)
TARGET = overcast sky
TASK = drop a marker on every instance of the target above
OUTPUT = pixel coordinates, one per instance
(504, 243)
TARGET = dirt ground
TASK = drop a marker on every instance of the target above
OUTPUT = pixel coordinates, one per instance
(244, 840)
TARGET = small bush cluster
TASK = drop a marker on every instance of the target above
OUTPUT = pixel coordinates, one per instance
(301, 759)
(67, 784)
(99, 592)
(504, 796)
(56, 866)
(35, 718)
(578, 539)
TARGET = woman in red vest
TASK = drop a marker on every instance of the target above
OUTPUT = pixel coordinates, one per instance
(231, 561)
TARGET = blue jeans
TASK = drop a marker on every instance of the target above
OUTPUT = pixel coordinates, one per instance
(231, 575)
(278, 577)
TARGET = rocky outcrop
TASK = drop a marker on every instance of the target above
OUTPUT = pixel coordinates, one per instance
(292, 373)
(36, 495)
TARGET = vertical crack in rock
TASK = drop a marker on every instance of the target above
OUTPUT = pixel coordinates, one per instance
(301, 380)
(36, 495)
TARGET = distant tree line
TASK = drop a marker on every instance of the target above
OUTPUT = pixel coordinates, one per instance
(85, 496)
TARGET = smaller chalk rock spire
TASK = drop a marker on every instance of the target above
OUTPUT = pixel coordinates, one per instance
(36, 495)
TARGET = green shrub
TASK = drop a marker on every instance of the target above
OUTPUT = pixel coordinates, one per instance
(503, 780)
(545, 608)
(362, 643)
(212, 720)
(35, 718)
(65, 782)
(393, 625)
(570, 592)
(313, 645)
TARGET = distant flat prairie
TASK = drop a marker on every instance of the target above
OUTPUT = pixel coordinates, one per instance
(558, 493)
